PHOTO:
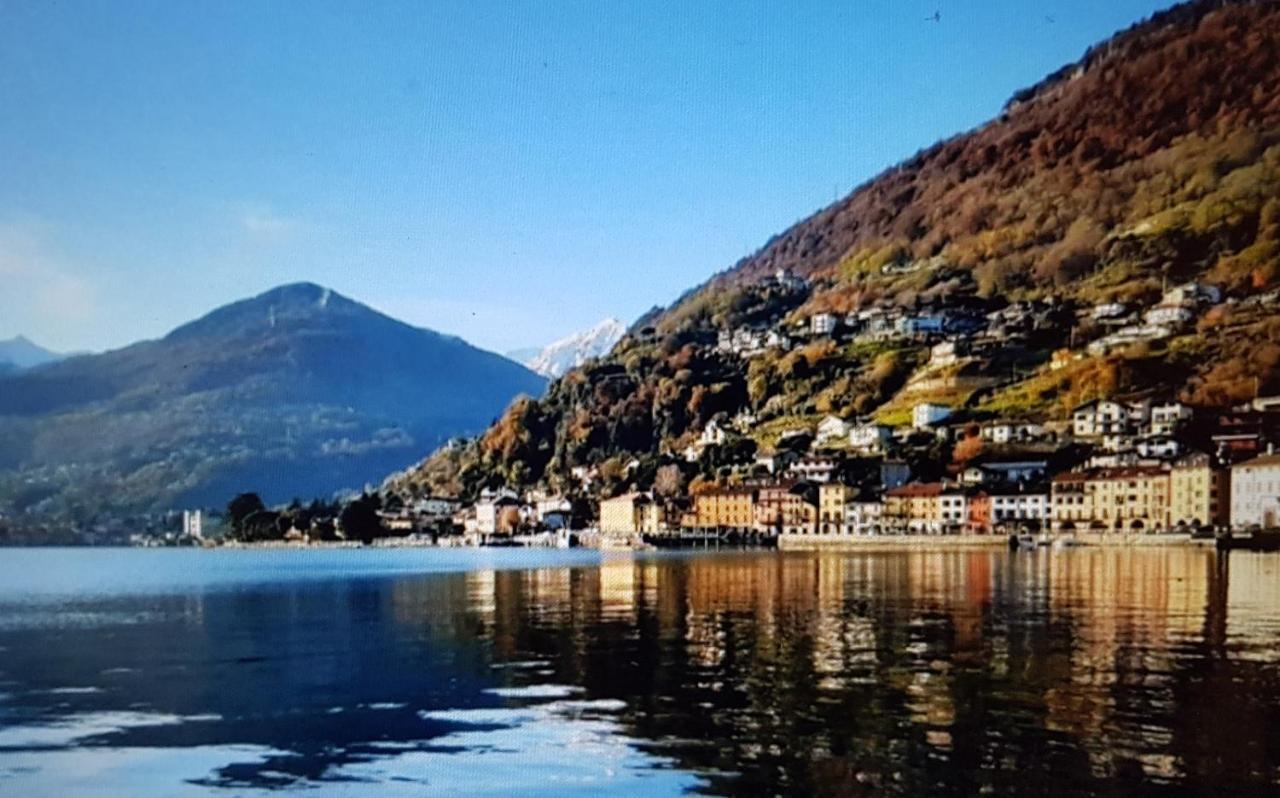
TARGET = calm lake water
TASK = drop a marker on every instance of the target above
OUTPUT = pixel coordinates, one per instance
(171, 672)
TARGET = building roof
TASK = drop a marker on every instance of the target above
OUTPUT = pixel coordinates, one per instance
(1261, 460)
(917, 490)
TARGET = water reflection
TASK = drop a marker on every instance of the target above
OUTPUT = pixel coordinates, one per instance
(1087, 671)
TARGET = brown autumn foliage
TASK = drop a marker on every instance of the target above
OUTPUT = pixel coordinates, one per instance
(1156, 156)
(1041, 187)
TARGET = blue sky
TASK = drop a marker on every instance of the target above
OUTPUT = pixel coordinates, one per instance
(509, 172)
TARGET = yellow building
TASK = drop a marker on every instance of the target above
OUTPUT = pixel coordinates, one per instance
(630, 514)
(915, 507)
(833, 500)
(724, 508)
(1199, 493)
(782, 511)
(1134, 499)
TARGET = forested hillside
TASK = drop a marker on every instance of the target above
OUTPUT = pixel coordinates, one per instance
(1151, 162)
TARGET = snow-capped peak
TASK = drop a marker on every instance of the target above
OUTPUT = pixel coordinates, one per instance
(574, 350)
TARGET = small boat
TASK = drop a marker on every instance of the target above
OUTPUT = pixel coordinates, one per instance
(1066, 543)
(1023, 542)
(1257, 540)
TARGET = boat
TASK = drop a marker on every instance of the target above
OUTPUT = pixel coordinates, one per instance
(1257, 540)
(1066, 543)
(1022, 542)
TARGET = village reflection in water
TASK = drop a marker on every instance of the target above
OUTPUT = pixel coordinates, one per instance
(1091, 670)
(920, 670)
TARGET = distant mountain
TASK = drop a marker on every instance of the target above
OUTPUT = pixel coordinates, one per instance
(20, 353)
(298, 391)
(574, 350)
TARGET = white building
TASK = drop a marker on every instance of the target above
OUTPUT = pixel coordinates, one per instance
(1160, 447)
(1109, 310)
(814, 469)
(1193, 293)
(435, 507)
(953, 510)
(1100, 418)
(1015, 507)
(870, 438)
(1003, 432)
(944, 353)
(1168, 315)
(863, 517)
(1255, 492)
(712, 434)
(1167, 417)
(490, 508)
(925, 415)
(832, 428)
(822, 323)
(193, 523)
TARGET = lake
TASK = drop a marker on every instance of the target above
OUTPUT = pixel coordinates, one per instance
(500, 672)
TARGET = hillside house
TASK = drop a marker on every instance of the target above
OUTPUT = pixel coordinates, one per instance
(823, 324)
(1169, 315)
(1006, 432)
(1167, 417)
(870, 438)
(814, 469)
(832, 428)
(1101, 417)
(1193, 294)
(927, 415)
(946, 353)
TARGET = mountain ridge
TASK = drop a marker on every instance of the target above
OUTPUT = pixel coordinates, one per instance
(577, 348)
(20, 352)
(1151, 161)
(298, 390)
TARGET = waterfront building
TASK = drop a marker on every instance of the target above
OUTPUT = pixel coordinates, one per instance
(1013, 510)
(494, 511)
(1199, 492)
(1255, 492)
(725, 508)
(863, 516)
(915, 507)
(781, 509)
(630, 514)
(833, 499)
(1126, 499)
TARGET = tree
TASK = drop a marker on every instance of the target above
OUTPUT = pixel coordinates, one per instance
(241, 507)
(668, 482)
(360, 521)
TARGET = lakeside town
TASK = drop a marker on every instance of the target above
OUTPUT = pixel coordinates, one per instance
(1117, 469)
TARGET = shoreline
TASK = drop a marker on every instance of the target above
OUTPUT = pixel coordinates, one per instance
(947, 542)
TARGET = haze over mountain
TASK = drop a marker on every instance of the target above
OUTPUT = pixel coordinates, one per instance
(299, 391)
(574, 350)
(1153, 160)
(21, 353)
